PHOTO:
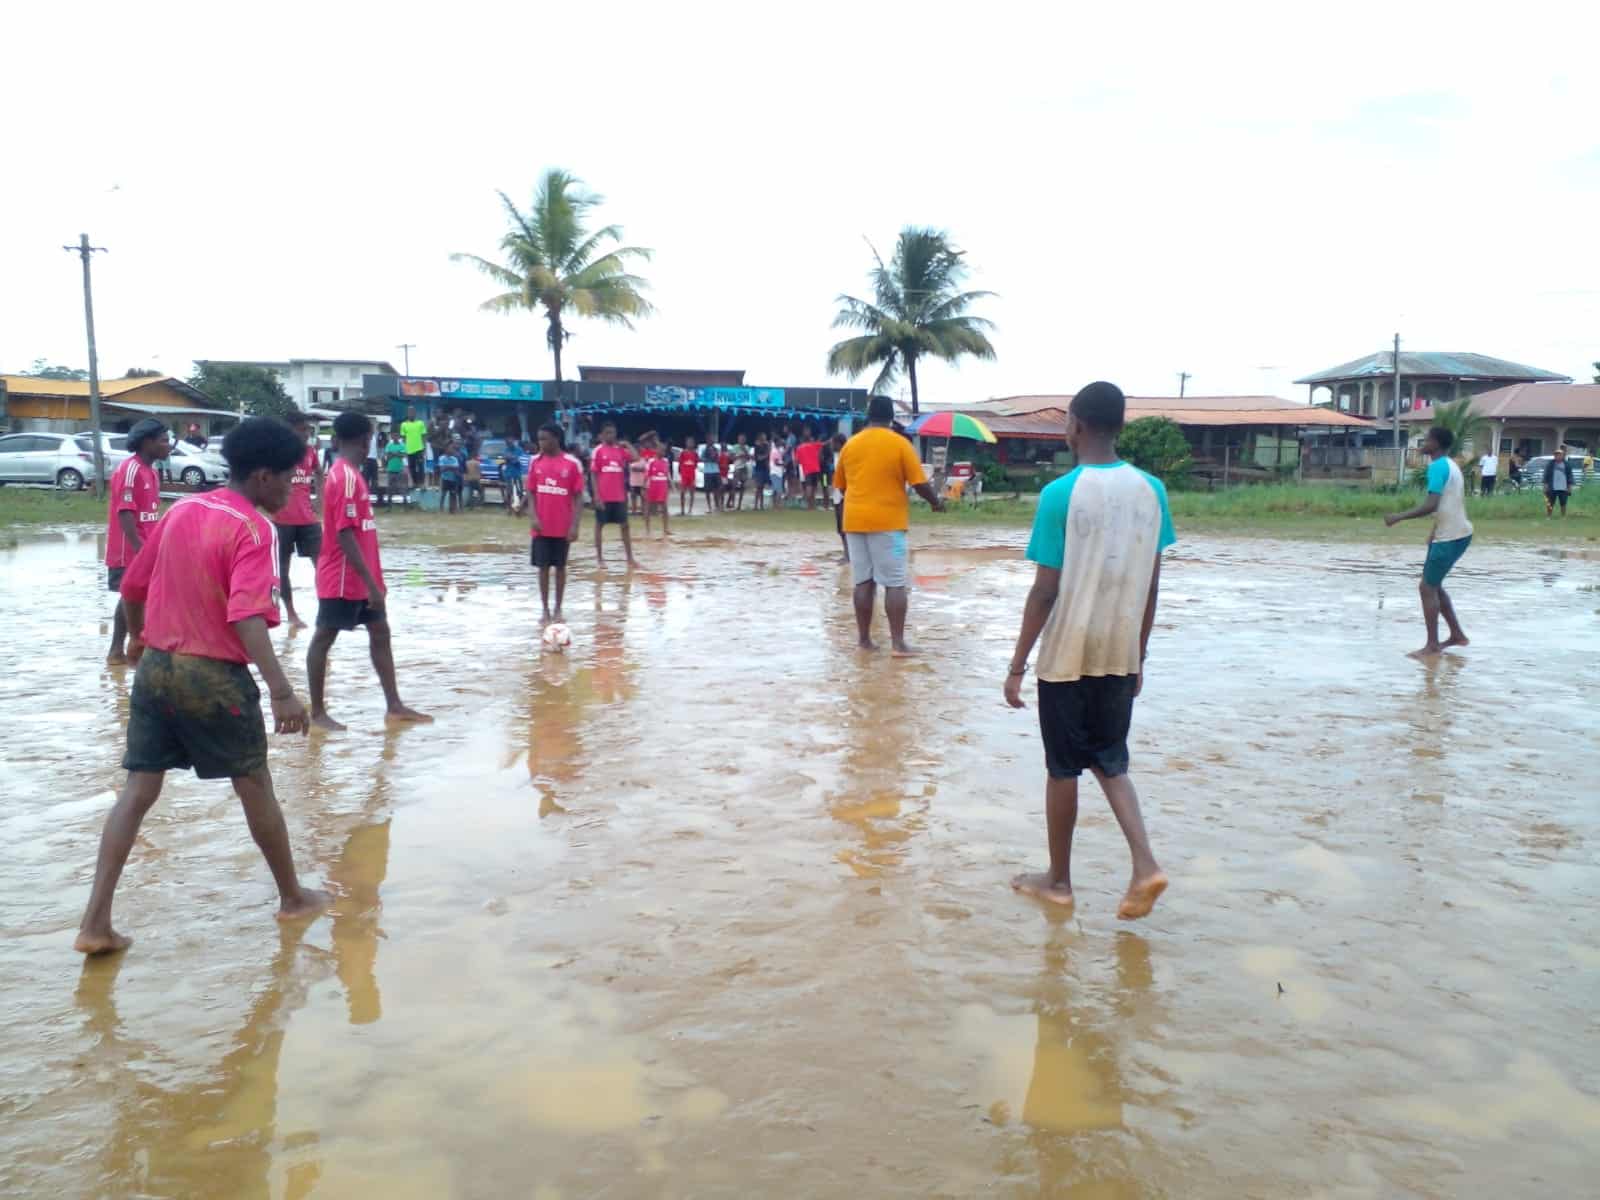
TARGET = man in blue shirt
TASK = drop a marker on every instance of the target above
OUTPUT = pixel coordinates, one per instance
(1096, 547)
(448, 465)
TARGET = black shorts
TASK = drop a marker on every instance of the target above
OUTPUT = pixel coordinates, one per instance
(713, 483)
(549, 551)
(450, 487)
(813, 479)
(345, 615)
(612, 512)
(306, 540)
(419, 463)
(1085, 724)
(114, 578)
(204, 713)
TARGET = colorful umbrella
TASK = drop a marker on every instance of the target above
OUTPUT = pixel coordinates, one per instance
(952, 425)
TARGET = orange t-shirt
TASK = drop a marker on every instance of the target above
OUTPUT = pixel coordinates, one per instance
(874, 469)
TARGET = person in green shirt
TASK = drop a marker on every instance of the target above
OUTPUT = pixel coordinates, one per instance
(415, 432)
(394, 464)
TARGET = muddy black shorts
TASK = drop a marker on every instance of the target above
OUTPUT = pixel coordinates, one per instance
(114, 578)
(204, 713)
(345, 615)
(549, 552)
(612, 512)
(305, 540)
(1085, 724)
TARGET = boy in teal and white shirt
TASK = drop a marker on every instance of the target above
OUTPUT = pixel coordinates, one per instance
(1096, 549)
(1451, 535)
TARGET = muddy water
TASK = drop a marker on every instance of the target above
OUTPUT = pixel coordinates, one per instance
(711, 906)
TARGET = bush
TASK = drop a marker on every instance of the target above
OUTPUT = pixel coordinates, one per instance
(1156, 445)
(995, 477)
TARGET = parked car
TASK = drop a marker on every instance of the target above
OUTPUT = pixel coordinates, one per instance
(1533, 471)
(491, 452)
(193, 466)
(49, 458)
(113, 447)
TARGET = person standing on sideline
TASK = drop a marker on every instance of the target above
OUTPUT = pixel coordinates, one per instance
(636, 472)
(837, 497)
(1090, 610)
(657, 484)
(1488, 470)
(777, 464)
(134, 510)
(414, 433)
(449, 465)
(610, 465)
(372, 463)
(200, 600)
(395, 473)
(1447, 542)
(761, 469)
(688, 460)
(875, 468)
(808, 458)
(297, 521)
(1557, 482)
(711, 473)
(555, 498)
(350, 590)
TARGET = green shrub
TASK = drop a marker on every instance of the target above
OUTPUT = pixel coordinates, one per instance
(1156, 445)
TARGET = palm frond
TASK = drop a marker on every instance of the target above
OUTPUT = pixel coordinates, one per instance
(493, 270)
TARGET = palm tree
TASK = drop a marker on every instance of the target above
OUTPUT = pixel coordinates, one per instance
(1460, 420)
(553, 261)
(917, 309)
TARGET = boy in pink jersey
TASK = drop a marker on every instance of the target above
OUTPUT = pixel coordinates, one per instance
(657, 483)
(134, 509)
(610, 468)
(555, 498)
(200, 598)
(350, 589)
(298, 528)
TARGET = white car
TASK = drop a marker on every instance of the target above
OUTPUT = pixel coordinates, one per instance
(113, 446)
(195, 467)
(57, 459)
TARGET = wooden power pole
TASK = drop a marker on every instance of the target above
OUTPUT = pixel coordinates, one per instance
(1399, 452)
(1183, 383)
(84, 250)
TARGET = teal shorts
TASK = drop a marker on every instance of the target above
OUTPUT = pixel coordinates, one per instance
(1441, 557)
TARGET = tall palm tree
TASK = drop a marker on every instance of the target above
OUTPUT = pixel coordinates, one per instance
(918, 309)
(1460, 419)
(554, 262)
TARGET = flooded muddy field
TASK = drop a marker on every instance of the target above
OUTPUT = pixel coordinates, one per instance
(712, 905)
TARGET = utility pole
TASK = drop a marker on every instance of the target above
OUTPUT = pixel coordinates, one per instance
(83, 249)
(406, 348)
(1183, 383)
(1399, 452)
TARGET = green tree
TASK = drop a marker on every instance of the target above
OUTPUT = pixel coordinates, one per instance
(1157, 445)
(1597, 372)
(917, 309)
(43, 369)
(142, 373)
(242, 388)
(555, 263)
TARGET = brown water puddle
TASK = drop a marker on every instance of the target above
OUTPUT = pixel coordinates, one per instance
(713, 905)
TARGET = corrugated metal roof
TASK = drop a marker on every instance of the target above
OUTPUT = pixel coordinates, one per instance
(1530, 402)
(1444, 364)
(27, 385)
(1051, 422)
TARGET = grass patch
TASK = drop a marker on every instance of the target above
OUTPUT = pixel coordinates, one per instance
(24, 507)
(1270, 504)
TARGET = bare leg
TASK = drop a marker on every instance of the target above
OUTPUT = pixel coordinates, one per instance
(544, 591)
(317, 677)
(896, 600)
(1061, 818)
(139, 794)
(1148, 881)
(265, 819)
(1430, 618)
(865, 594)
(561, 591)
(117, 656)
(1448, 612)
(599, 538)
(665, 532)
(627, 545)
(382, 649)
(285, 588)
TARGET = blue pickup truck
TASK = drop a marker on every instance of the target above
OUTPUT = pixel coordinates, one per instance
(492, 451)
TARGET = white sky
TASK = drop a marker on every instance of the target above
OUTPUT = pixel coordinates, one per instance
(1239, 191)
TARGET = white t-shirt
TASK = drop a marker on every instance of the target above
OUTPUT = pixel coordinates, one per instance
(1489, 466)
(1450, 518)
(1101, 526)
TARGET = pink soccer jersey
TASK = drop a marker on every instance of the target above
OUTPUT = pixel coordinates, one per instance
(346, 504)
(135, 489)
(610, 474)
(556, 482)
(298, 510)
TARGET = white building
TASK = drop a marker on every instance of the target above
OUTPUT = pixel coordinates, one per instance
(317, 382)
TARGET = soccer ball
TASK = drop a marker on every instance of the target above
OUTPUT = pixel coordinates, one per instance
(557, 637)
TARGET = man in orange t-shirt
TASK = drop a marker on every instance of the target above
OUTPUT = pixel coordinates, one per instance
(873, 471)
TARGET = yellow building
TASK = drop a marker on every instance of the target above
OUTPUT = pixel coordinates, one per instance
(62, 405)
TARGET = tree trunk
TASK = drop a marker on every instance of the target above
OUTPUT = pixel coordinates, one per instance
(911, 373)
(555, 339)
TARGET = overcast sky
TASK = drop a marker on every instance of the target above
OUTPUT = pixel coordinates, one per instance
(1224, 189)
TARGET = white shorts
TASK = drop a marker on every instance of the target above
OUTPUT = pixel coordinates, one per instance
(880, 558)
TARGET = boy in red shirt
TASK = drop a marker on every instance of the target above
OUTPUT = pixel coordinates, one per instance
(555, 497)
(208, 576)
(610, 467)
(298, 529)
(350, 589)
(687, 462)
(657, 483)
(808, 456)
(134, 509)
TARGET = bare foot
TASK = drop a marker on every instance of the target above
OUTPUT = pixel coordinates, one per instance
(1455, 641)
(1142, 896)
(904, 650)
(866, 644)
(1428, 651)
(1042, 887)
(633, 564)
(107, 942)
(406, 714)
(308, 903)
(295, 622)
(324, 722)
(116, 659)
